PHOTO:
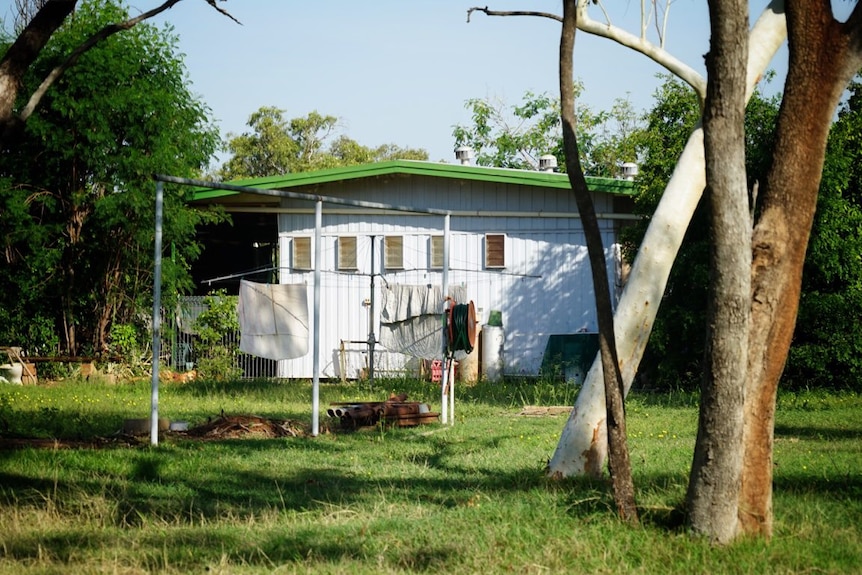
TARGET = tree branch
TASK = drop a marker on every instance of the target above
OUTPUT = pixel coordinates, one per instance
(620, 36)
(512, 13)
(640, 44)
(24, 51)
(92, 41)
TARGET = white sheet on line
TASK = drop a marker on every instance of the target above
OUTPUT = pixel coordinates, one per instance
(273, 320)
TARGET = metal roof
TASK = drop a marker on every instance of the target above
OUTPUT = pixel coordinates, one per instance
(420, 168)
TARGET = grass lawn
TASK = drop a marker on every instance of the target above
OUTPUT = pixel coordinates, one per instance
(468, 498)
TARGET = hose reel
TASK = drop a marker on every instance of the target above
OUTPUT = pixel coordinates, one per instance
(462, 327)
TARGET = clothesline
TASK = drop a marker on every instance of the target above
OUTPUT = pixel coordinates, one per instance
(363, 274)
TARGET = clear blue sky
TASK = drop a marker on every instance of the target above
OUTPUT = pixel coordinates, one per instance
(400, 71)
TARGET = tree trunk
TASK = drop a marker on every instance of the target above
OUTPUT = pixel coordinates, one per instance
(620, 464)
(582, 448)
(21, 54)
(824, 57)
(713, 489)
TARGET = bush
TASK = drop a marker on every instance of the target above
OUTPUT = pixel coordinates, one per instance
(217, 327)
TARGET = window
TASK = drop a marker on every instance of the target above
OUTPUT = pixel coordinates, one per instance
(495, 250)
(393, 252)
(302, 253)
(347, 253)
(436, 252)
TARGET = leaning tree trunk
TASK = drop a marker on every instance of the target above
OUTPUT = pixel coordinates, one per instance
(620, 463)
(713, 489)
(824, 57)
(582, 447)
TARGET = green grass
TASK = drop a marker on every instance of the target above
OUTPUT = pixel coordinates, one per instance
(470, 498)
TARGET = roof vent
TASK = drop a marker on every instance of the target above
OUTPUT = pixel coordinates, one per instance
(463, 154)
(629, 171)
(548, 163)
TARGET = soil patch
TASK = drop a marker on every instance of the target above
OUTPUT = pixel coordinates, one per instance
(215, 428)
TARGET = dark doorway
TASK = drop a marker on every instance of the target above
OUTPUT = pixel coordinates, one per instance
(247, 249)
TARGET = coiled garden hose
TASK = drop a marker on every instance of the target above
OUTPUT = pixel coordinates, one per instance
(462, 327)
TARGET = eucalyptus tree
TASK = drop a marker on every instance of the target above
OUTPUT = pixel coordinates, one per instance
(673, 358)
(713, 491)
(78, 251)
(825, 53)
(827, 341)
(583, 443)
(274, 145)
(619, 461)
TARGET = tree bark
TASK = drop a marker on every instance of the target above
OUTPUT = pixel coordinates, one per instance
(620, 463)
(713, 489)
(582, 447)
(824, 57)
(21, 54)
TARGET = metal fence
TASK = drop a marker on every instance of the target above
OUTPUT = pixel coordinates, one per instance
(181, 346)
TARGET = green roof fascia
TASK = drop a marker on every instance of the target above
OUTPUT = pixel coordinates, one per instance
(420, 168)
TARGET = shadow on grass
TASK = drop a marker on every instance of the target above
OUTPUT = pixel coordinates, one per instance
(820, 433)
(199, 484)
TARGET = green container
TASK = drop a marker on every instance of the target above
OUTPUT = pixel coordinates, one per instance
(570, 356)
(495, 318)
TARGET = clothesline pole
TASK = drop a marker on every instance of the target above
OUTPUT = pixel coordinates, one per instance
(315, 386)
(451, 368)
(157, 316)
(444, 381)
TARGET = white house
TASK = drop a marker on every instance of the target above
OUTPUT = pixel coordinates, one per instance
(516, 246)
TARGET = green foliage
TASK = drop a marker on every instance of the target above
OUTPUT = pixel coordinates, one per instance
(375, 501)
(216, 327)
(132, 343)
(512, 139)
(276, 146)
(77, 194)
(827, 345)
(674, 354)
(517, 138)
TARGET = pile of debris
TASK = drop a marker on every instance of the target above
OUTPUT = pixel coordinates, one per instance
(395, 411)
(235, 426)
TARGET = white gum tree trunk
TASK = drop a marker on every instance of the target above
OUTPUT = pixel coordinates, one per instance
(582, 449)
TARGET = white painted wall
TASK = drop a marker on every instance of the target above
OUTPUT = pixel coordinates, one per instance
(545, 288)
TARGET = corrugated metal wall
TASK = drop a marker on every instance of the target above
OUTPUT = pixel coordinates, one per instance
(545, 287)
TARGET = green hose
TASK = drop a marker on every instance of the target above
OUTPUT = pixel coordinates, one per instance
(462, 328)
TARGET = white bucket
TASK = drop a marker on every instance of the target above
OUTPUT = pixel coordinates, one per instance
(12, 372)
(492, 352)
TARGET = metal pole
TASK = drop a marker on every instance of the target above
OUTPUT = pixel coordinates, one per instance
(451, 367)
(315, 386)
(157, 317)
(444, 385)
(371, 338)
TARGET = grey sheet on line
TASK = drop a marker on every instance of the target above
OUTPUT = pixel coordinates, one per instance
(411, 319)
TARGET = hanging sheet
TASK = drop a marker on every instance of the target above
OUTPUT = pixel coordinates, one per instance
(273, 320)
(411, 319)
